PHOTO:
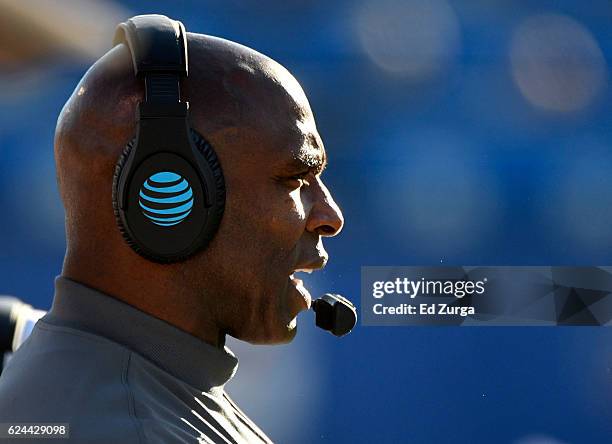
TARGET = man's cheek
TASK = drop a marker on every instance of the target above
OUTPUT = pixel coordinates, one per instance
(297, 205)
(288, 217)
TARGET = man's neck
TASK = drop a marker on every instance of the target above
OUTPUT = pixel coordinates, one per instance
(152, 293)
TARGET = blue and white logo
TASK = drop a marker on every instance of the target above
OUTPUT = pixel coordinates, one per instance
(166, 198)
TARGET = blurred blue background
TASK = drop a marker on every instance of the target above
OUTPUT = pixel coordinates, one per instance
(459, 133)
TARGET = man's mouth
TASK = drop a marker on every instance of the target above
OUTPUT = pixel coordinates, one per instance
(299, 285)
(303, 298)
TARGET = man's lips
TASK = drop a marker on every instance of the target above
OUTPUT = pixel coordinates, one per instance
(315, 262)
(299, 285)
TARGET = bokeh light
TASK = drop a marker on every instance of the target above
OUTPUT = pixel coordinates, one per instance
(556, 63)
(415, 38)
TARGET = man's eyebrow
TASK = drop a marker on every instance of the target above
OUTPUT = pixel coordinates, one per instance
(312, 159)
(312, 155)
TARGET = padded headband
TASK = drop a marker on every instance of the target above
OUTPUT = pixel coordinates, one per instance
(159, 54)
(157, 43)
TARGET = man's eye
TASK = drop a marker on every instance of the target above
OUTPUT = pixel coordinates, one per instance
(300, 179)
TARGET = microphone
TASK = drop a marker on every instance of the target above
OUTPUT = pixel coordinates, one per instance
(335, 314)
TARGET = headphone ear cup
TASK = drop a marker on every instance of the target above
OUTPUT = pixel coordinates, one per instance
(210, 157)
(213, 177)
(116, 175)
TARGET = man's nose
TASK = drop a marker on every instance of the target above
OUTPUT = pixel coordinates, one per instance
(325, 217)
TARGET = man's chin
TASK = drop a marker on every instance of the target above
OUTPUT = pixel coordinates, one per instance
(281, 335)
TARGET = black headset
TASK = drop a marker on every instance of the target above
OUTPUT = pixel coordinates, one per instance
(168, 186)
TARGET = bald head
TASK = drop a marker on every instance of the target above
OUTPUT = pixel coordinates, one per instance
(257, 118)
(230, 88)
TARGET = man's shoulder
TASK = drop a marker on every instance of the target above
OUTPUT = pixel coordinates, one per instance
(55, 352)
(65, 375)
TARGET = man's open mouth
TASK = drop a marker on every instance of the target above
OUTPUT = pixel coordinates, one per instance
(299, 285)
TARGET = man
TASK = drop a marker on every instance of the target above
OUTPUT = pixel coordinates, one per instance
(132, 350)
